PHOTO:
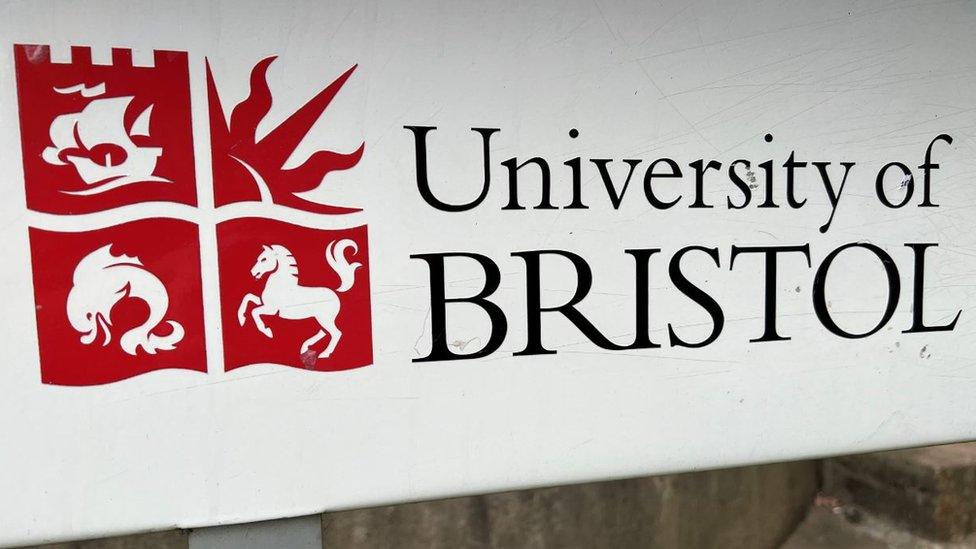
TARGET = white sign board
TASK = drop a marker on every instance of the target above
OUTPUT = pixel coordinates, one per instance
(264, 260)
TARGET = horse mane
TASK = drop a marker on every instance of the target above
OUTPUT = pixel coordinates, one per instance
(286, 261)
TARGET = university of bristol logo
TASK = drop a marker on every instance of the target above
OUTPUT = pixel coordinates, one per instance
(124, 297)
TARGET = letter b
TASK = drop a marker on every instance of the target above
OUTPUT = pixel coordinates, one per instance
(439, 348)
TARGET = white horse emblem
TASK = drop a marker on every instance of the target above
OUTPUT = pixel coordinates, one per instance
(284, 297)
(100, 281)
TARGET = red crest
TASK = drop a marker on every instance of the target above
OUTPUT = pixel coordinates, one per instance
(117, 302)
(126, 299)
(96, 137)
(294, 296)
(249, 169)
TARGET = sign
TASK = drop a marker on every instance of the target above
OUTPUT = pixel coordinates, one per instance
(267, 261)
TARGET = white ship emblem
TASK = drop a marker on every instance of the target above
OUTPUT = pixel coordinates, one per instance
(99, 146)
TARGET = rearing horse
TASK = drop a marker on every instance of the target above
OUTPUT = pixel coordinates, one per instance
(284, 297)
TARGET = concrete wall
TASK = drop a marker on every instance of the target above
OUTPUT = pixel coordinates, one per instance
(752, 507)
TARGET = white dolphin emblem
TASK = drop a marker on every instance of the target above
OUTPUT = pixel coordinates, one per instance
(100, 281)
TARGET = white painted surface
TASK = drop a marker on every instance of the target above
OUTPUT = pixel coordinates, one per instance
(870, 82)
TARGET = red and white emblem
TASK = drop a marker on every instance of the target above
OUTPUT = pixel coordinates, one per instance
(250, 169)
(96, 137)
(293, 295)
(117, 302)
(121, 300)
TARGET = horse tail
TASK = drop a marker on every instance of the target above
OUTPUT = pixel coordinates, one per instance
(335, 255)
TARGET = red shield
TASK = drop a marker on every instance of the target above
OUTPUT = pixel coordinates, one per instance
(118, 302)
(95, 137)
(247, 168)
(293, 295)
